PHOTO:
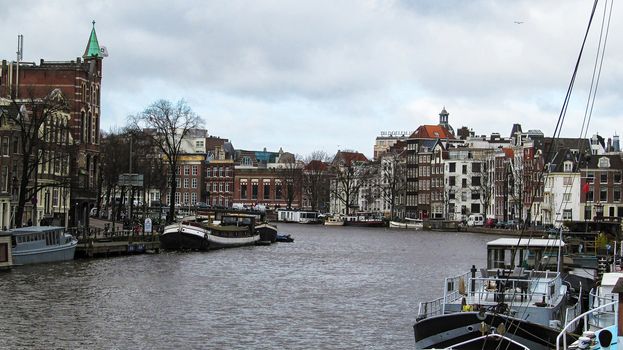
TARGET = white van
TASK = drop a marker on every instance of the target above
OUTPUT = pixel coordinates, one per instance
(476, 220)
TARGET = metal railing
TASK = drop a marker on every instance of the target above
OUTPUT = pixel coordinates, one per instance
(585, 317)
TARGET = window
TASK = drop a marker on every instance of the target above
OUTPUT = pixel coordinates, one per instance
(193, 198)
(451, 181)
(617, 178)
(567, 167)
(227, 171)
(464, 169)
(604, 177)
(186, 170)
(476, 167)
(266, 190)
(254, 189)
(194, 182)
(464, 183)
(590, 177)
(227, 187)
(194, 170)
(590, 195)
(567, 214)
(278, 190)
(199, 143)
(55, 198)
(452, 167)
(475, 195)
(220, 171)
(603, 195)
(220, 187)
(246, 160)
(185, 197)
(567, 181)
(5, 146)
(616, 195)
(177, 198)
(186, 182)
(475, 207)
(214, 186)
(243, 189)
(208, 174)
(475, 180)
(566, 197)
(451, 195)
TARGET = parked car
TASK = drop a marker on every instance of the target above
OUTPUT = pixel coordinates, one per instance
(508, 225)
(491, 222)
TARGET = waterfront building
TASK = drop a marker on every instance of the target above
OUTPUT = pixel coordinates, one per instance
(467, 182)
(271, 179)
(79, 81)
(349, 173)
(393, 180)
(601, 188)
(190, 179)
(387, 139)
(418, 205)
(219, 172)
(561, 193)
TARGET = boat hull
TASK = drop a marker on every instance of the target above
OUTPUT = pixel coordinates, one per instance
(64, 252)
(379, 223)
(190, 237)
(267, 232)
(447, 330)
(406, 225)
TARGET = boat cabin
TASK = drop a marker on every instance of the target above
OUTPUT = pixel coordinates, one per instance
(535, 253)
(6, 259)
(299, 216)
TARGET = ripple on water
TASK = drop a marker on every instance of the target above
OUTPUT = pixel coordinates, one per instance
(333, 288)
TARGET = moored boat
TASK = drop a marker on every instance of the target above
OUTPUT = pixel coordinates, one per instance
(200, 233)
(42, 244)
(414, 224)
(334, 221)
(510, 298)
(365, 219)
(267, 232)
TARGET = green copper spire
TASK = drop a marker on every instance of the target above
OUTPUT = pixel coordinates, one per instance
(93, 47)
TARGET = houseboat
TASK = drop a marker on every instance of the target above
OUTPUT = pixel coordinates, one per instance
(298, 216)
(366, 219)
(207, 233)
(41, 244)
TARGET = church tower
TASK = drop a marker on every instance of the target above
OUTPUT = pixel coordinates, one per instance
(443, 120)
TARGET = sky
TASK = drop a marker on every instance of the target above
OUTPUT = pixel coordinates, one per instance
(333, 74)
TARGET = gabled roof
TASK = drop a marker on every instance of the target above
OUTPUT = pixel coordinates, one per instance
(564, 155)
(317, 165)
(431, 132)
(348, 157)
(508, 152)
(93, 46)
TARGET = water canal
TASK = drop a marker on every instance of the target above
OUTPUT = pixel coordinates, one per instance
(333, 288)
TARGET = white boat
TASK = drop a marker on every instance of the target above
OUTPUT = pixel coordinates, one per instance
(414, 224)
(199, 233)
(334, 221)
(42, 244)
(298, 216)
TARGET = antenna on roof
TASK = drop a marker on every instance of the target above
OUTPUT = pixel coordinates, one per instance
(20, 51)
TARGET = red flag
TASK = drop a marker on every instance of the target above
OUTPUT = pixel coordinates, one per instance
(586, 188)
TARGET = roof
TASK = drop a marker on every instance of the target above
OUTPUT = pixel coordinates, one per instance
(316, 165)
(93, 47)
(508, 152)
(29, 229)
(349, 157)
(524, 242)
(432, 132)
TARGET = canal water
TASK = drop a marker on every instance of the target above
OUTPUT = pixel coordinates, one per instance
(333, 288)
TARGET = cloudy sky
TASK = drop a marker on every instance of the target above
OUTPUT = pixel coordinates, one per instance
(329, 75)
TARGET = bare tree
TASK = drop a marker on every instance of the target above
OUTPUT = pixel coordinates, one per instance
(167, 124)
(316, 180)
(348, 179)
(291, 173)
(44, 145)
(393, 184)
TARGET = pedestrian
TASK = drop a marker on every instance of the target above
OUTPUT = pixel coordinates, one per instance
(29, 222)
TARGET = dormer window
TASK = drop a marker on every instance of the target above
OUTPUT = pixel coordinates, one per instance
(568, 167)
(246, 160)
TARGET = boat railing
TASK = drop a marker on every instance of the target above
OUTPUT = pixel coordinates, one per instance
(497, 337)
(542, 291)
(454, 289)
(587, 319)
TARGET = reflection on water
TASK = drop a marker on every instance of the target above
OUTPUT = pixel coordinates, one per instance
(333, 288)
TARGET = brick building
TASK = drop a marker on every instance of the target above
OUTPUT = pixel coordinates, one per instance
(219, 172)
(79, 81)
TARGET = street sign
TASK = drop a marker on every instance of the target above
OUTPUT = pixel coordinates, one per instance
(134, 180)
(147, 225)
